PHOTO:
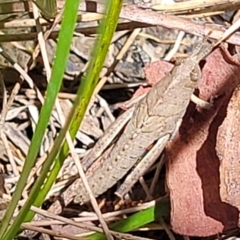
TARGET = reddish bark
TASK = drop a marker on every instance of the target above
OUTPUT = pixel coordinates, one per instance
(193, 164)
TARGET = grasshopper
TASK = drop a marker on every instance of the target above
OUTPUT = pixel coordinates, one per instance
(154, 119)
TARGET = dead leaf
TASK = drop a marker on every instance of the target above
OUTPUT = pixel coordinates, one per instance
(154, 73)
(193, 165)
(228, 151)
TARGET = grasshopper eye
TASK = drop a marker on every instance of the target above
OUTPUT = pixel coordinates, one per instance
(194, 75)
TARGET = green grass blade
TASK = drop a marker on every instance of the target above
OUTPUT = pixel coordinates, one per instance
(88, 83)
(138, 219)
(107, 29)
(35, 191)
(65, 36)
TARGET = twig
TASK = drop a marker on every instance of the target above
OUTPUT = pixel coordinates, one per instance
(86, 185)
(176, 46)
(192, 8)
(146, 18)
(2, 121)
(157, 173)
(167, 230)
(134, 13)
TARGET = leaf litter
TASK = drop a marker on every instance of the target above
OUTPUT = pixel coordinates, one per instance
(202, 147)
